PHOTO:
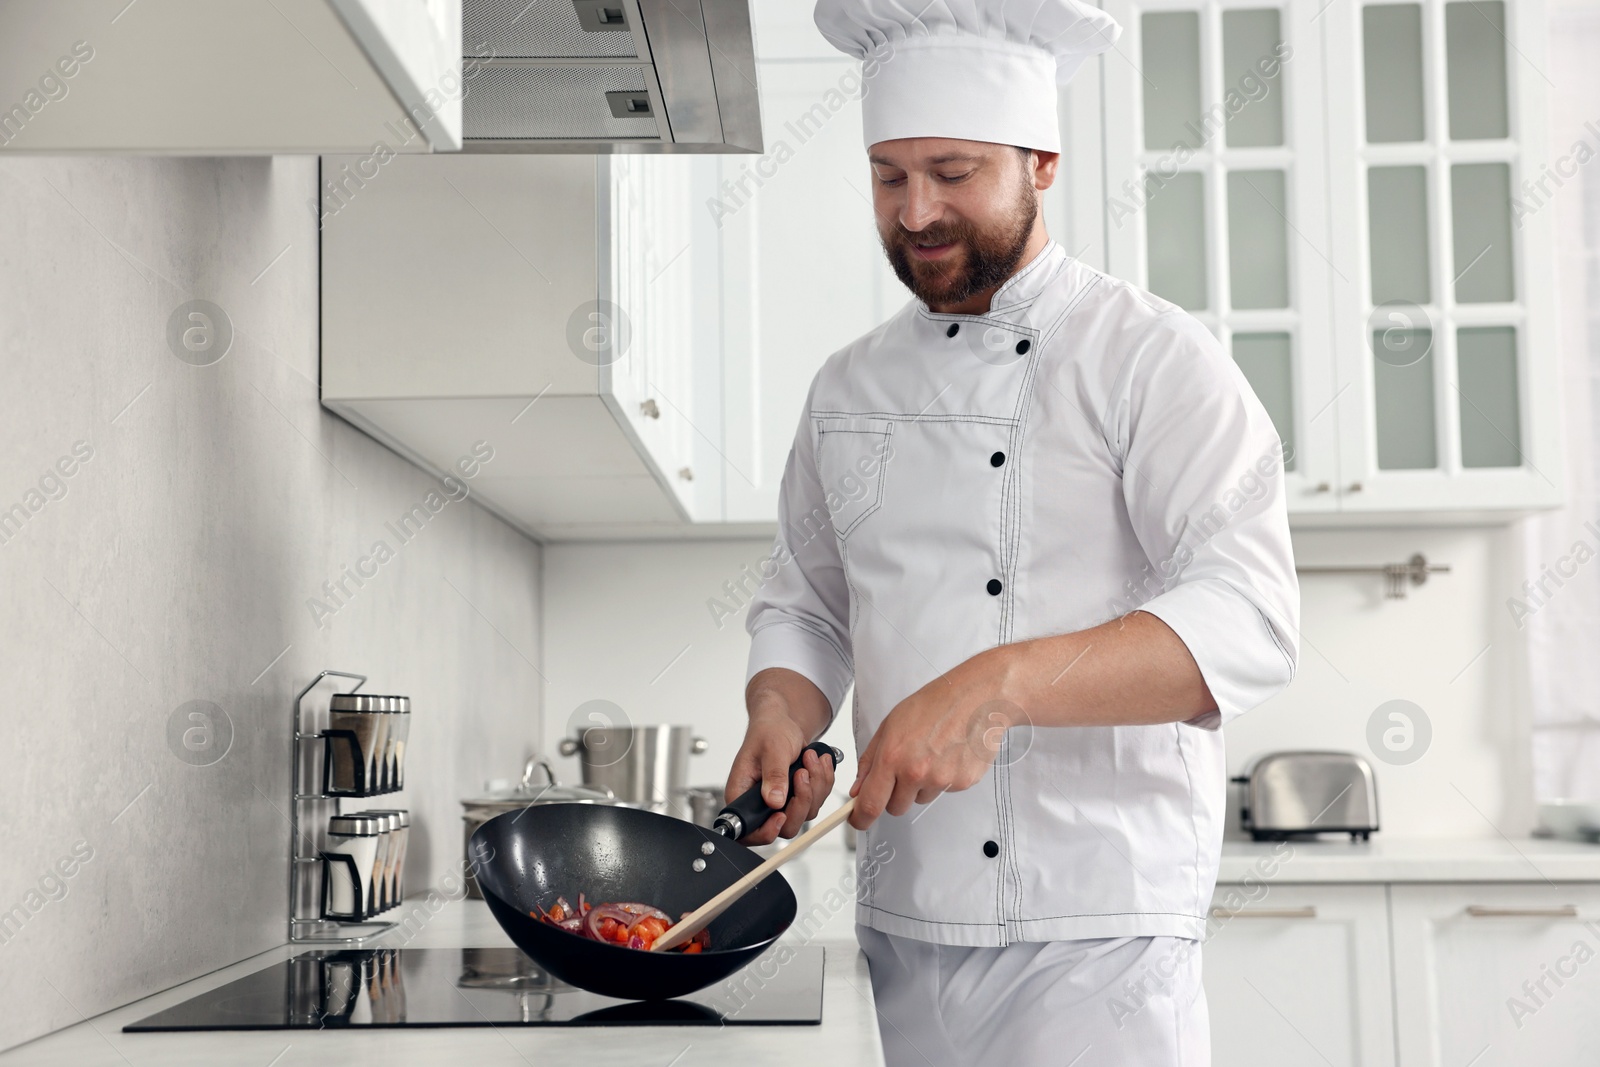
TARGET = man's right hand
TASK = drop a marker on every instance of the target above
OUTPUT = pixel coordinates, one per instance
(778, 700)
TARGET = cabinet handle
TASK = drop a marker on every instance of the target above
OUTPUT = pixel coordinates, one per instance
(649, 409)
(1323, 487)
(1307, 912)
(1565, 911)
(686, 474)
(1355, 487)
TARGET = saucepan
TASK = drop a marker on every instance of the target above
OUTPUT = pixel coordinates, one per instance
(525, 859)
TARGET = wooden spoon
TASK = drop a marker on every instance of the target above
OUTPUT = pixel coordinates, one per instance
(701, 917)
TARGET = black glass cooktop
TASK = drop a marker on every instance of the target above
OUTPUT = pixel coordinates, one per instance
(393, 987)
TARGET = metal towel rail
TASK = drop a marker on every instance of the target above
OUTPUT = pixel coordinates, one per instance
(1396, 576)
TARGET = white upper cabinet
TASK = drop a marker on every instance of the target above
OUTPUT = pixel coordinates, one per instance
(1216, 199)
(1447, 319)
(461, 295)
(539, 303)
(200, 77)
(650, 268)
(803, 274)
(1329, 188)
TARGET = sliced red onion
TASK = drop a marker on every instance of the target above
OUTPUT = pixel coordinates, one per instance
(615, 912)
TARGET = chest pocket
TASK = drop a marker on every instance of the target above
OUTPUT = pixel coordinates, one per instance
(853, 454)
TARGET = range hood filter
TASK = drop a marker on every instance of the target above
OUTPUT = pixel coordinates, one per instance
(564, 103)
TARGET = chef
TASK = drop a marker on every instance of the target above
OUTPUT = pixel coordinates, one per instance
(1037, 519)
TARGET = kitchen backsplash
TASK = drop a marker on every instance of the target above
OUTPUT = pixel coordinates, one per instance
(193, 539)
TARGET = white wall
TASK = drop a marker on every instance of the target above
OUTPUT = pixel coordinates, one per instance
(627, 611)
(175, 565)
(1449, 647)
(634, 628)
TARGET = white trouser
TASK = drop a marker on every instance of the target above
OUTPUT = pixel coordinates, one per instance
(1105, 1002)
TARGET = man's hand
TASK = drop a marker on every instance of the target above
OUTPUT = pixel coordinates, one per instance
(942, 738)
(1131, 671)
(779, 700)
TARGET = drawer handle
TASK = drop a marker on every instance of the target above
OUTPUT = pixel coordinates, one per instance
(1307, 912)
(1565, 911)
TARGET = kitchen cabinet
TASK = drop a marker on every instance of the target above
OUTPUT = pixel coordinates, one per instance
(539, 303)
(727, 279)
(1299, 974)
(650, 267)
(1497, 975)
(1448, 341)
(249, 77)
(1211, 211)
(1332, 190)
(1238, 190)
(1420, 953)
(803, 272)
(1308, 181)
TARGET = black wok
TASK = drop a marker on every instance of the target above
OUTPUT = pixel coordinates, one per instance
(524, 860)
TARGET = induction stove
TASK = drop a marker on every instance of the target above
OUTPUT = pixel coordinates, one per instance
(438, 987)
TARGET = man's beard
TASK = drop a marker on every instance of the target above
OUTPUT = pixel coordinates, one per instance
(985, 258)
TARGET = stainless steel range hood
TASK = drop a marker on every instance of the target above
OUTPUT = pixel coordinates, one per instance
(609, 76)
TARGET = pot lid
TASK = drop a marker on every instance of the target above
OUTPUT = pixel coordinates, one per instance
(541, 794)
(528, 792)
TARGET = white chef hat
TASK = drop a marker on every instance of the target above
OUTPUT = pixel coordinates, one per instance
(978, 70)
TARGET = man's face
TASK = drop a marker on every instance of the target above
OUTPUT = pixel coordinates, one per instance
(955, 216)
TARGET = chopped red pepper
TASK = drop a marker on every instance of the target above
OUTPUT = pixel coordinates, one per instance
(628, 924)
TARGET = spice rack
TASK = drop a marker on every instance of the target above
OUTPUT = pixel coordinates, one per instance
(315, 797)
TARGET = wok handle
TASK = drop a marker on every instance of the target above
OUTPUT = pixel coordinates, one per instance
(748, 810)
(702, 916)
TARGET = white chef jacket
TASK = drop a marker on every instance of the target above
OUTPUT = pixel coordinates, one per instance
(957, 482)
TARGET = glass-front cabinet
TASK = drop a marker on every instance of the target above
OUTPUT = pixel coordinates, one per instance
(1332, 188)
(1454, 397)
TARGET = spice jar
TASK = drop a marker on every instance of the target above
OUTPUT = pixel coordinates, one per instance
(356, 736)
(347, 866)
(394, 868)
(399, 728)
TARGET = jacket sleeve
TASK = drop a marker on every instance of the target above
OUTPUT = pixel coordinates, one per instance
(1203, 482)
(799, 618)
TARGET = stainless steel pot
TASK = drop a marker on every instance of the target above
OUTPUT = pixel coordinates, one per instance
(479, 810)
(641, 765)
(699, 804)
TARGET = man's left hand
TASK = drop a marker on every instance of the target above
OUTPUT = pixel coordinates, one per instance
(944, 737)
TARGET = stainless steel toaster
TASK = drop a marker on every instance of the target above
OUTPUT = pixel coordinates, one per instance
(1292, 794)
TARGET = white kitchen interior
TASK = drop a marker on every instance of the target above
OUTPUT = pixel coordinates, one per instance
(549, 348)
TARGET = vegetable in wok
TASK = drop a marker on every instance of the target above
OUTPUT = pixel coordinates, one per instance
(626, 924)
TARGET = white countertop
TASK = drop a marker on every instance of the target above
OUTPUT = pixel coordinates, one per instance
(847, 1036)
(1385, 859)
